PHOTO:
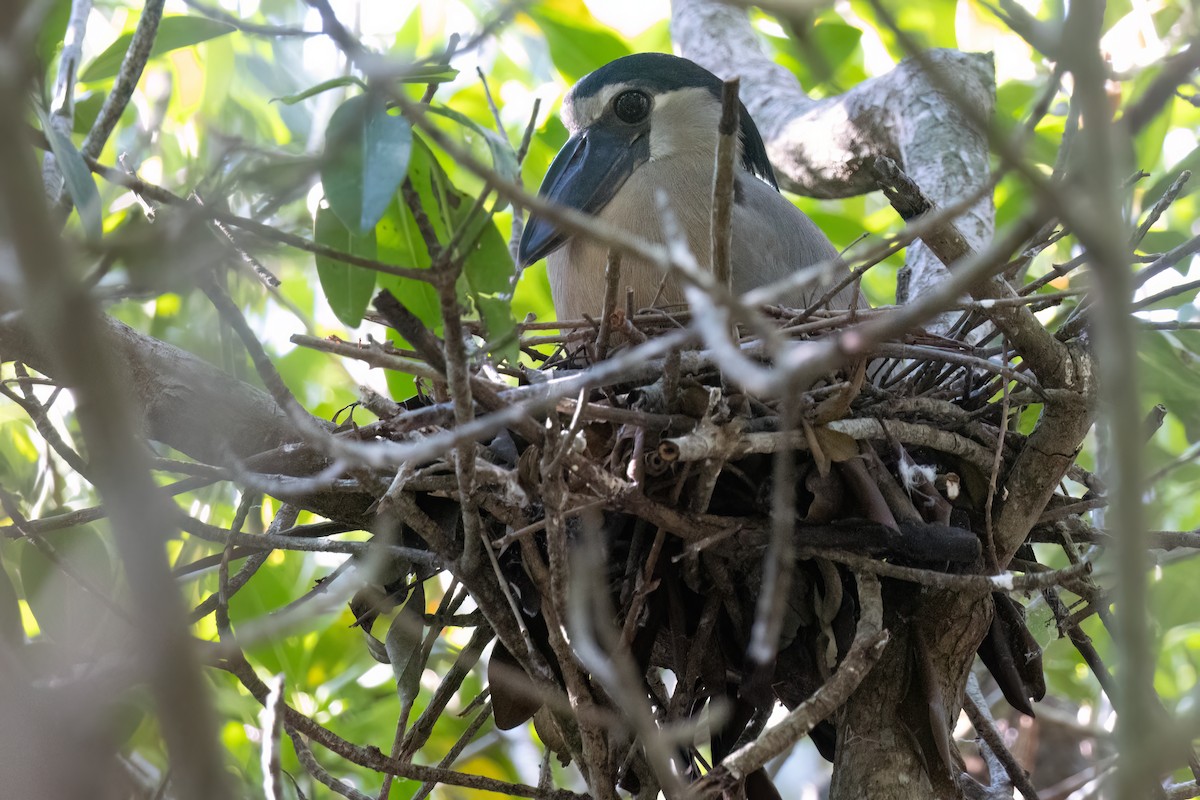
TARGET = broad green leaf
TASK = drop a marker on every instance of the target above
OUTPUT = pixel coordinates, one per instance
(430, 182)
(347, 288)
(655, 39)
(399, 242)
(1171, 374)
(487, 266)
(319, 383)
(1176, 598)
(1148, 146)
(64, 610)
(399, 236)
(842, 229)
(403, 645)
(87, 108)
(1115, 11)
(425, 73)
(173, 33)
(487, 274)
(504, 160)
(1012, 200)
(11, 628)
(544, 145)
(53, 30)
(924, 22)
(1156, 190)
(77, 178)
(128, 711)
(409, 36)
(839, 43)
(497, 315)
(578, 44)
(367, 151)
(222, 80)
(323, 86)
(928, 21)
(1013, 100)
(532, 295)
(823, 55)
(399, 239)
(1162, 241)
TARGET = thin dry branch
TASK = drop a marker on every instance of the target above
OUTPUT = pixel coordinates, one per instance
(1045, 354)
(721, 224)
(372, 758)
(981, 719)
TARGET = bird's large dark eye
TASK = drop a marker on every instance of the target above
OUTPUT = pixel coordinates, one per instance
(632, 106)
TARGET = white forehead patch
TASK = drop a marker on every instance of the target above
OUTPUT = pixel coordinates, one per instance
(578, 113)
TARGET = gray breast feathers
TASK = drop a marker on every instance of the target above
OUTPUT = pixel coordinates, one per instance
(771, 239)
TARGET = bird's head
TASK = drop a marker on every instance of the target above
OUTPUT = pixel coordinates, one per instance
(640, 108)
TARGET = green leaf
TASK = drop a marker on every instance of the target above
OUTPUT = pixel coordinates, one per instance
(399, 242)
(64, 610)
(1115, 11)
(403, 645)
(11, 627)
(928, 19)
(445, 206)
(838, 43)
(87, 109)
(504, 160)
(487, 274)
(578, 44)
(821, 53)
(173, 33)
(323, 86)
(487, 264)
(409, 36)
(347, 288)
(425, 73)
(1189, 162)
(367, 151)
(430, 182)
(399, 239)
(77, 178)
(497, 315)
(221, 71)
(923, 22)
(1148, 144)
(1171, 374)
(20, 469)
(53, 30)
(1162, 241)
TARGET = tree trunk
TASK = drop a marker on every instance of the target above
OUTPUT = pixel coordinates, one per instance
(886, 749)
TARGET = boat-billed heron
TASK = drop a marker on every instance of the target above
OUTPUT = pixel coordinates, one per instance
(647, 122)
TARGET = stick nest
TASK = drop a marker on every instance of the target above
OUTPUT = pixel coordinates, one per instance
(637, 513)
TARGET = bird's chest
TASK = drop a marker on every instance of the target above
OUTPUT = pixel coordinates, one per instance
(577, 270)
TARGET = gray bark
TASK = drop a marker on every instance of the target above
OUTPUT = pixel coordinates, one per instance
(179, 399)
(819, 147)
